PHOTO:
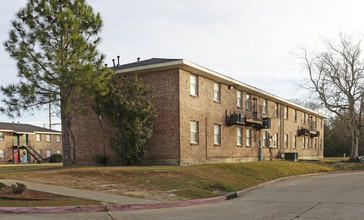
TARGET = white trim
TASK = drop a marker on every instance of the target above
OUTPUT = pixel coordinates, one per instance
(43, 132)
(197, 69)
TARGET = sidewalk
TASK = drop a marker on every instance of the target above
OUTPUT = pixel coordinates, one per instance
(84, 194)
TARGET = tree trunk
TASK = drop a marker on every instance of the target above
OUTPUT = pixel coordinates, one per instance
(67, 161)
(354, 144)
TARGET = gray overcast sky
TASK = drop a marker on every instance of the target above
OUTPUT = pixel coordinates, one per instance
(250, 41)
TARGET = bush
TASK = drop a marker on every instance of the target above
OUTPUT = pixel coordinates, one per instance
(56, 158)
(2, 185)
(18, 188)
(101, 159)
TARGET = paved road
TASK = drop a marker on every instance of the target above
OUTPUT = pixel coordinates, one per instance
(335, 196)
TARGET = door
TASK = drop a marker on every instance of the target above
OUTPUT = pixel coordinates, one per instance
(25, 156)
(16, 156)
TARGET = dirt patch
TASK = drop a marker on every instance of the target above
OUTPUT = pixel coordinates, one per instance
(7, 192)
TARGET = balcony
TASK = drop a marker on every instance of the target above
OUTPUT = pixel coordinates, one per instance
(310, 131)
(254, 115)
(235, 119)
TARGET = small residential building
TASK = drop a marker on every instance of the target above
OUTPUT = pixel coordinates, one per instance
(207, 117)
(24, 143)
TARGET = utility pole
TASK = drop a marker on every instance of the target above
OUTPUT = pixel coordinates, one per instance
(50, 116)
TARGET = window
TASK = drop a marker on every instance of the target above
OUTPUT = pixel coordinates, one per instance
(314, 143)
(1, 135)
(320, 144)
(304, 117)
(49, 153)
(39, 151)
(58, 138)
(303, 142)
(248, 137)
(217, 134)
(308, 143)
(286, 112)
(38, 137)
(276, 109)
(193, 85)
(239, 100)
(275, 139)
(265, 138)
(217, 92)
(265, 106)
(48, 137)
(294, 115)
(286, 141)
(239, 138)
(194, 132)
(294, 141)
(2, 153)
(320, 122)
(58, 151)
(248, 101)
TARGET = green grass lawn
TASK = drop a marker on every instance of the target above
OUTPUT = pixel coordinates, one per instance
(192, 182)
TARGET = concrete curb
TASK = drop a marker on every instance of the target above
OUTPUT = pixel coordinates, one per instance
(102, 208)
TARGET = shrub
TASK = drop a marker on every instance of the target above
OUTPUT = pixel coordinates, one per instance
(56, 158)
(18, 188)
(101, 159)
(2, 185)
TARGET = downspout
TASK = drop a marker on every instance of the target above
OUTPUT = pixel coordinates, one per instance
(206, 138)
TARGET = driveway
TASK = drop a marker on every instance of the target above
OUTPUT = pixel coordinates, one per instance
(334, 196)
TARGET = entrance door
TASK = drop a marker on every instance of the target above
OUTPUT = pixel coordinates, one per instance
(25, 157)
(16, 156)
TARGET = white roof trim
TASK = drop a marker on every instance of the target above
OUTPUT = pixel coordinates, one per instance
(200, 70)
(43, 132)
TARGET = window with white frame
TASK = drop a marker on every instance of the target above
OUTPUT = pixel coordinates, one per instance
(276, 109)
(286, 141)
(58, 151)
(48, 137)
(1, 135)
(58, 138)
(303, 142)
(39, 151)
(304, 117)
(308, 143)
(239, 99)
(286, 112)
(294, 115)
(248, 101)
(217, 134)
(294, 145)
(248, 137)
(217, 92)
(194, 132)
(314, 143)
(49, 153)
(265, 138)
(265, 106)
(193, 85)
(275, 139)
(239, 136)
(38, 137)
(320, 122)
(2, 153)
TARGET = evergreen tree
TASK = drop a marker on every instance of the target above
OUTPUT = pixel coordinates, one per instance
(54, 43)
(128, 108)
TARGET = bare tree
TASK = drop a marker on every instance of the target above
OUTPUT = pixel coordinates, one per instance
(337, 78)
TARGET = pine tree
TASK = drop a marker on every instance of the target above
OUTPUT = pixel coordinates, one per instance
(54, 43)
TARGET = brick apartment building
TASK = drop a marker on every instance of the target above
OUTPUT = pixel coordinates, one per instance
(24, 143)
(206, 117)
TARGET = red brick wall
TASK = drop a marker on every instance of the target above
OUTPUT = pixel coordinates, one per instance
(164, 143)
